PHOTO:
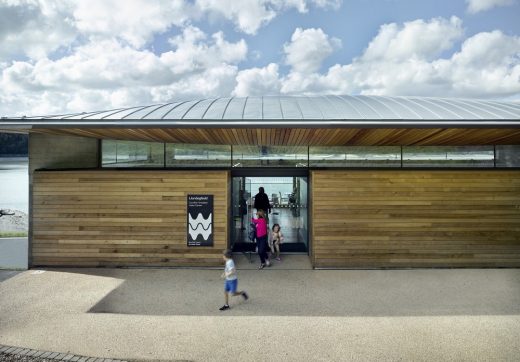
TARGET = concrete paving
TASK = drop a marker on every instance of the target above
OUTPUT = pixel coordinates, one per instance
(293, 314)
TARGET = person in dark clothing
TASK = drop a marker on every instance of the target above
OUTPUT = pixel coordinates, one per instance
(263, 205)
(262, 201)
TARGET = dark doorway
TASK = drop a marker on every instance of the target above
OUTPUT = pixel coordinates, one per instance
(288, 196)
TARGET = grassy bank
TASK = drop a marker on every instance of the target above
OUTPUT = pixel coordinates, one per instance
(7, 234)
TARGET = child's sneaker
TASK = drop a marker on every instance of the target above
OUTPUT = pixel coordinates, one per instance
(261, 266)
(224, 307)
(278, 259)
(268, 263)
(245, 296)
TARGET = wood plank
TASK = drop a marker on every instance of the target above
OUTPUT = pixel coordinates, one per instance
(123, 218)
(407, 218)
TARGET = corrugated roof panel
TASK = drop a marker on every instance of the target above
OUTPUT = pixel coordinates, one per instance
(442, 112)
(296, 108)
(216, 110)
(330, 107)
(462, 112)
(179, 111)
(272, 108)
(83, 115)
(290, 108)
(378, 105)
(103, 114)
(510, 108)
(128, 111)
(159, 112)
(235, 109)
(57, 116)
(484, 111)
(362, 108)
(422, 111)
(308, 108)
(402, 110)
(253, 108)
(198, 110)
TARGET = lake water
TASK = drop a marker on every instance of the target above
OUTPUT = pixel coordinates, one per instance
(14, 184)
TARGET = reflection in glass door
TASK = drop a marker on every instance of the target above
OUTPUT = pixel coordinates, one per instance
(289, 202)
(241, 215)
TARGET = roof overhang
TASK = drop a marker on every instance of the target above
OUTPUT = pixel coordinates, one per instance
(28, 124)
(298, 120)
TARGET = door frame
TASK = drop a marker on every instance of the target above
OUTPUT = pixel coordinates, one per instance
(271, 172)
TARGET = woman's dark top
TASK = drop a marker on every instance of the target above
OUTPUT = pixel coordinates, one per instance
(262, 202)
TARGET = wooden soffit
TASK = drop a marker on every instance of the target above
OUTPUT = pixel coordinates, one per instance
(301, 136)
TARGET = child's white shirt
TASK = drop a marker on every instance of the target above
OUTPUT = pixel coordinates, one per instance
(229, 270)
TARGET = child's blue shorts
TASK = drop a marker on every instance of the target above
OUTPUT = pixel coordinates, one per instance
(231, 286)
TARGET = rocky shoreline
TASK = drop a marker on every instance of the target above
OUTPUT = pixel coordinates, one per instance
(17, 223)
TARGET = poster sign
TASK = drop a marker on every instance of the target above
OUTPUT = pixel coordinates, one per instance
(200, 220)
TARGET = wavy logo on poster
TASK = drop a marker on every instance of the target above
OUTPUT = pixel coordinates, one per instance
(199, 226)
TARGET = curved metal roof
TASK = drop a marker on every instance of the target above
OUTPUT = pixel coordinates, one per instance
(296, 111)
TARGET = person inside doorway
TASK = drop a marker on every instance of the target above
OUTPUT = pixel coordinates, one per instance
(262, 203)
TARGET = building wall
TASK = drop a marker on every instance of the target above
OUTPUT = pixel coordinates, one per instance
(123, 218)
(58, 152)
(372, 219)
(48, 151)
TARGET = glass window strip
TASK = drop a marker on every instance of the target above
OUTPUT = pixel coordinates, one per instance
(132, 154)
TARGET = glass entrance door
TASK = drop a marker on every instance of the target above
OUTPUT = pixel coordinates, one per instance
(289, 208)
(242, 212)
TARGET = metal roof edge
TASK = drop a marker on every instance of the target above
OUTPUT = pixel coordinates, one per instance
(266, 123)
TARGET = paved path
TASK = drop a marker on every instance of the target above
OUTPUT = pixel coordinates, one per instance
(16, 354)
(293, 314)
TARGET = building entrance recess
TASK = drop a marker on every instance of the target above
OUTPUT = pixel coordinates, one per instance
(288, 197)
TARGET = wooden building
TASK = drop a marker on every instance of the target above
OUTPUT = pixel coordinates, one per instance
(357, 181)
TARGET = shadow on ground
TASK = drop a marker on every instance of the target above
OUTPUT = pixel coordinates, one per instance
(284, 292)
(7, 274)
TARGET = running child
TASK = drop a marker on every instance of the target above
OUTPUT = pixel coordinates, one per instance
(230, 274)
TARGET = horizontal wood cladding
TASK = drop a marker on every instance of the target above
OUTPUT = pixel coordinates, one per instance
(371, 219)
(302, 136)
(123, 218)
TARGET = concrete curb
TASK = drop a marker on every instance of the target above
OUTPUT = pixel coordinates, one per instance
(37, 355)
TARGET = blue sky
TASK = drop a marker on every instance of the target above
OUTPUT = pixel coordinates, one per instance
(357, 22)
(61, 56)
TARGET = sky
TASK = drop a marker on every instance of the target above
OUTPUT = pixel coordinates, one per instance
(66, 56)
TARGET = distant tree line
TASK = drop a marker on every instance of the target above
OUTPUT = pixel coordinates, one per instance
(12, 144)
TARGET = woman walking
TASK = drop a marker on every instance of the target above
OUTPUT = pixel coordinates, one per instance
(261, 238)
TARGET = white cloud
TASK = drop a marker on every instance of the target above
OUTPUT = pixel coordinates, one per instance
(213, 82)
(34, 28)
(193, 53)
(102, 71)
(258, 81)
(135, 21)
(250, 15)
(308, 48)
(109, 74)
(487, 65)
(415, 39)
(475, 6)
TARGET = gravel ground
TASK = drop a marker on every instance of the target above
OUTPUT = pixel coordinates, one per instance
(19, 222)
(292, 315)
(18, 358)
